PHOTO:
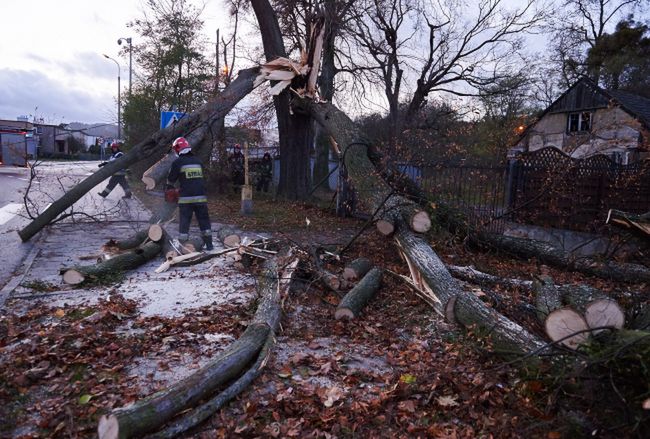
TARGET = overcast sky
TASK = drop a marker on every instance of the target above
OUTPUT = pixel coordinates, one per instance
(52, 64)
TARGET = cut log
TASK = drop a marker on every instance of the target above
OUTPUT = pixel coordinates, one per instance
(118, 264)
(157, 173)
(155, 145)
(228, 237)
(194, 244)
(354, 301)
(604, 313)
(385, 227)
(418, 220)
(567, 327)
(328, 279)
(155, 232)
(356, 269)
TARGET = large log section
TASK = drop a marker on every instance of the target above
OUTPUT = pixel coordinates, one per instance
(429, 274)
(155, 145)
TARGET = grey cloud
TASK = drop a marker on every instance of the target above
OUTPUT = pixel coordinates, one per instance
(21, 91)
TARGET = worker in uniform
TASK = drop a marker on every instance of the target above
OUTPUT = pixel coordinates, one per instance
(236, 161)
(265, 173)
(119, 177)
(188, 171)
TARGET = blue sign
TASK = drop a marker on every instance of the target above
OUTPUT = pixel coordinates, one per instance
(169, 118)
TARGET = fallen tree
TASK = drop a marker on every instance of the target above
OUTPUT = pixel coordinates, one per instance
(110, 267)
(429, 275)
(551, 255)
(155, 145)
(154, 411)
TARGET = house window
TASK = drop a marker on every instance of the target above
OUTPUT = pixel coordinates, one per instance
(579, 122)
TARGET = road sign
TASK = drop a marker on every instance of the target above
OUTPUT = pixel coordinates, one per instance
(168, 118)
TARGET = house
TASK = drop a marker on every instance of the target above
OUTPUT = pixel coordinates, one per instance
(17, 142)
(588, 120)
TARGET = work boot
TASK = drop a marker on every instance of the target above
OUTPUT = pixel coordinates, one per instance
(126, 196)
(207, 240)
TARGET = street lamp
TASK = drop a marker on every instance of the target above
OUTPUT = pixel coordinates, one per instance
(119, 99)
(128, 40)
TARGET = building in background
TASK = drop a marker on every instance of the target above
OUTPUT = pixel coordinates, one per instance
(588, 120)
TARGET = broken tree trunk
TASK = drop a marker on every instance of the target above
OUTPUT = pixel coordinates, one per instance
(548, 254)
(157, 173)
(152, 412)
(429, 274)
(354, 301)
(378, 195)
(472, 275)
(637, 224)
(156, 144)
(444, 294)
(356, 269)
(120, 263)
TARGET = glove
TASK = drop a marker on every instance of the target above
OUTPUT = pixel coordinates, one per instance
(171, 195)
(101, 164)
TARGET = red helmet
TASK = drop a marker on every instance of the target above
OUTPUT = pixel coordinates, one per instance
(180, 144)
(115, 145)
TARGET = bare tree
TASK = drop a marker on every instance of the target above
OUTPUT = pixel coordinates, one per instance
(439, 46)
(579, 28)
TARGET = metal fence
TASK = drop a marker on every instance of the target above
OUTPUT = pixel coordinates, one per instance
(545, 187)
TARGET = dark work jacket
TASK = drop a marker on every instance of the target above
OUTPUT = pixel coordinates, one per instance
(187, 169)
(116, 155)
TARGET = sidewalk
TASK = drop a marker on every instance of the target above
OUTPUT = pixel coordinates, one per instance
(165, 294)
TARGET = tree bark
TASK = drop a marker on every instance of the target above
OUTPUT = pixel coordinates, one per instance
(353, 302)
(117, 264)
(432, 280)
(356, 269)
(378, 195)
(157, 173)
(294, 130)
(548, 254)
(155, 144)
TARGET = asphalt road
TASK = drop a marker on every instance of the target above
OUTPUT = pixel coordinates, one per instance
(53, 179)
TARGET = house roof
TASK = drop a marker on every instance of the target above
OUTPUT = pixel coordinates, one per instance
(636, 105)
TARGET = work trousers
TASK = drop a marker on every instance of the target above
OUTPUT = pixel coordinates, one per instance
(114, 181)
(186, 210)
